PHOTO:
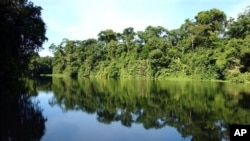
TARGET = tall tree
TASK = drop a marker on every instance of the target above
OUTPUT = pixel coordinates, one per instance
(110, 39)
(107, 35)
(128, 36)
(215, 18)
(22, 33)
(241, 27)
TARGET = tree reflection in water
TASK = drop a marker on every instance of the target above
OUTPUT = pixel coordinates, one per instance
(21, 118)
(202, 110)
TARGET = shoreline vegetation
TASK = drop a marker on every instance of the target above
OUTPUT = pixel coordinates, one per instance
(147, 78)
(210, 47)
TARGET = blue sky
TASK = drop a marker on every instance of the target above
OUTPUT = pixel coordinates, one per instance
(84, 19)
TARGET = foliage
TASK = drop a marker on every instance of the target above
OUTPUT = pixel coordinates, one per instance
(241, 27)
(208, 47)
(22, 33)
(39, 65)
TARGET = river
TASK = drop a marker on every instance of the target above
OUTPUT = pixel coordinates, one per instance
(68, 109)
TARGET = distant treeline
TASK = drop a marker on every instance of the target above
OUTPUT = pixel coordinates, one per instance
(211, 46)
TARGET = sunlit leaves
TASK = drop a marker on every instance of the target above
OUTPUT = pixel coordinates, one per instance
(241, 27)
(199, 49)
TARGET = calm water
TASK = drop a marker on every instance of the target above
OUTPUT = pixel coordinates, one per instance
(64, 109)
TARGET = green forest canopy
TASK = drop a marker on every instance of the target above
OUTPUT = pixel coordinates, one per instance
(208, 47)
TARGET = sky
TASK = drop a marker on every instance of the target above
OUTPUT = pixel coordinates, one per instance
(84, 19)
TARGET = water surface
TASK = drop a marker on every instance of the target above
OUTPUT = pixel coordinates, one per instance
(99, 109)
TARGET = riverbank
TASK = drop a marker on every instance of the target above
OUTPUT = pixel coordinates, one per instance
(235, 80)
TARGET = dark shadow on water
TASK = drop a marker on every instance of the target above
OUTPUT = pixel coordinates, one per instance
(202, 111)
(21, 117)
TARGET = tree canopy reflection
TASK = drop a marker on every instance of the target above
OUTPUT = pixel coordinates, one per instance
(200, 109)
(21, 117)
